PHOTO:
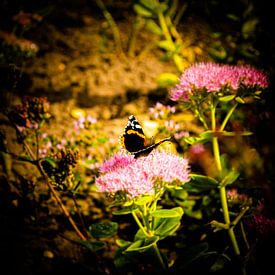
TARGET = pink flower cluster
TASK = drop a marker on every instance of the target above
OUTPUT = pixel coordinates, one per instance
(262, 225)
(84, 122)
(161, 111)
(214, 77)
(137, 177)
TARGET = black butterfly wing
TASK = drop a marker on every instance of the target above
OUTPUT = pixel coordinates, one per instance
(133, 138)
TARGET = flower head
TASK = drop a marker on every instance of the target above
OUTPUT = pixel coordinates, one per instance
(84, 122)
(161, 111)
(262, 225)
(31, 112)
(119, 160)
(213, 77)
(137, 177)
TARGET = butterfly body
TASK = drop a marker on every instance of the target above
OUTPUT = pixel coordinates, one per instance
(134, 140)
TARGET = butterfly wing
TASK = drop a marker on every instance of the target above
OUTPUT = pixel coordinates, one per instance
(133, 138)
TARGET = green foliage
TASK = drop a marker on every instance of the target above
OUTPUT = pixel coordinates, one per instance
(141, 245)
(200, 183)
(198, 259)
(168, 213)
(93, 245)
(201, 139)
(243, 44)
(103, 229)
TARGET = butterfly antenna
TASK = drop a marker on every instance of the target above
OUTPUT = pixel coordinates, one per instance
(162, 141)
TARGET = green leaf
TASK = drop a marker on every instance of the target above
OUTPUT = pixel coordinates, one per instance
(186, 204)
(218, 53)
(144, 200)
(239, 100)
(140, 235)
(48, 162)
(191, 140)
(122, 260)
(199, 183)
(149, 4)
(231, 134)
(258, 92)
(233, 17)
(93, 246)
(179, 194)
(204, 180)
(167, 45)
(122, 243)
(179, 62)
(206, 136)
(142, 10)
(230, 178)
(166, 226)
(202, 138)
(220, 263)
(196, 214)
(162, 7)
(248, 28)
(226, 98)
(103, 229)
(176, 212)
(153, 27)
(123, 211)
(167, 80)
(142, 245)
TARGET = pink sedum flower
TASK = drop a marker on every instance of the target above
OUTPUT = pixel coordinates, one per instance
(118, 160)
(215, 77)
(262, 225)
(197, 149)
(137, 177)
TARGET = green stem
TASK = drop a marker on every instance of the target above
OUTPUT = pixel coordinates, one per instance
(227, 220)
(36, 162)
(228, 116)
(213, 116)
(112, 25)
(159, 257)
(173, 30)
(215, 142)
(244, 236)
(164, 27)
(201, 118)
(240, 215)
(180, 13)
(132, 43)
(223, 197)
(217, 156)
(145, 218)
(62, 206)
(139, 224)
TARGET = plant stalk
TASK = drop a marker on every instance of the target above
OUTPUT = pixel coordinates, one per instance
(112, 25)
(228, 116)
(139, 224)
(164, 27)
(57, 198)
(223, 198)
(159, 257)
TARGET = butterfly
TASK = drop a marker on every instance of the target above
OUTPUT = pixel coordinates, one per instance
(134, 140)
